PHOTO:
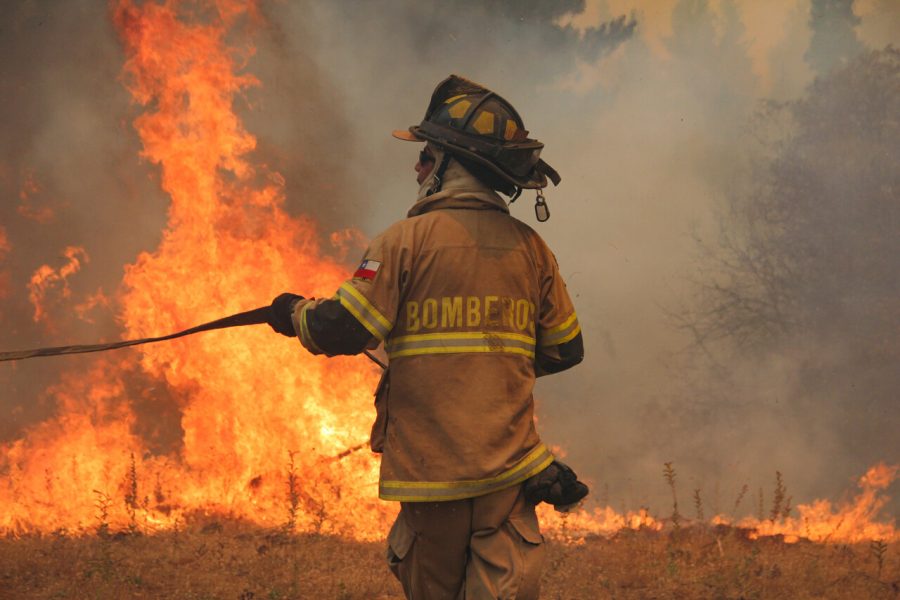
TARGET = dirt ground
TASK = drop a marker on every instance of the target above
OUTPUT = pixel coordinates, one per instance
(238, 562)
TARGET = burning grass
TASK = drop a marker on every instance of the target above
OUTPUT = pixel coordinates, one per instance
(235, 560)
(599, 554)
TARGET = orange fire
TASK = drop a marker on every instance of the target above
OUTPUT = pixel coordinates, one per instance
(5, 247)
(46, 279)
(579, 524)
(821, 521)
(251, 401)
(4, 243)
(27, 208)
(850, 522)
(271, 435)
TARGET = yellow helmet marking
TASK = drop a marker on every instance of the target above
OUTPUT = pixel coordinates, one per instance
(459, 109)
(510, 130)
(484, 124)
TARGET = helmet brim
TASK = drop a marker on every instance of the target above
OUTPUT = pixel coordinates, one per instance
(535, 180)
(407, 136)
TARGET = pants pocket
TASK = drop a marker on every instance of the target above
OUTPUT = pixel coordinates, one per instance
(527, 529)
(400, 541)
(531, 550)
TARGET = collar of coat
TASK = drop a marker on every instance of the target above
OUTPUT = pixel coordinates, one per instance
(460, 189)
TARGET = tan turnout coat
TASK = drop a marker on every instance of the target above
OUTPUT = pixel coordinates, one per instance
(463, 295)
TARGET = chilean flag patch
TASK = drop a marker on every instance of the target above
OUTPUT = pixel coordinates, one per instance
(367, 269)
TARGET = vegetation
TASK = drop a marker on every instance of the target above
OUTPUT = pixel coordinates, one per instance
(233, 561)
(809, 252)
(211, 557)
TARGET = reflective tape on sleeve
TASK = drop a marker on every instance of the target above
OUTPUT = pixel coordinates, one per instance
(438, 491)
(305, 337)
(369, 316)
(562, 333)
(454, 343)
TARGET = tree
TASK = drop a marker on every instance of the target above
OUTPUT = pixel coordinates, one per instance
(833, 41)
(797, 305)
(812, 253)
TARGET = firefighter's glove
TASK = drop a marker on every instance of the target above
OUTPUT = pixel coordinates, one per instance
(280, 313)
(557, 485)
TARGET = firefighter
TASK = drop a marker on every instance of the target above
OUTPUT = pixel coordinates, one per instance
(470, 306)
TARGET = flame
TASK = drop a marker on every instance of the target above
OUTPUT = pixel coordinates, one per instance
(30, 188)
(4, 243)
(255, 397)
(576, 525)
(50, 473)
(5, 248)
(271, 435)
(94, 301)
(46, 279)
(820, 521)
(850, 522)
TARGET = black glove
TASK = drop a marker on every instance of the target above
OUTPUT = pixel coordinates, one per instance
(280, 313)
(557, 485)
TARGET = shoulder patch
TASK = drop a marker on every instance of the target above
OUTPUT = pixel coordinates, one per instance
(367, 269)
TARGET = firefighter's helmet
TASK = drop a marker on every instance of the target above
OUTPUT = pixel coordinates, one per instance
(473, 123)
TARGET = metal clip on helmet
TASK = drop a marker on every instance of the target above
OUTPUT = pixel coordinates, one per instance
(474, 124)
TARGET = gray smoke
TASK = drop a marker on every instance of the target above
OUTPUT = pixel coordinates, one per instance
(834, 42)
(653, 147)
(70, 177)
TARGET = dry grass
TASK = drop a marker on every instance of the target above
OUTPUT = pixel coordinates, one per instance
(718, 562)
(239, 562)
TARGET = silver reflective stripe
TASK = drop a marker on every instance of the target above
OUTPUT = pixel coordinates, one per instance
(562, 333)
(452, 343)
(364, 311)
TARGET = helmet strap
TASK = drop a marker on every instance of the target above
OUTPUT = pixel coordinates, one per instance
(438, 179)
(515, 195)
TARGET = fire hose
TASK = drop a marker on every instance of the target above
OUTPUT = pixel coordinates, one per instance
(256, 316)
(557, 485)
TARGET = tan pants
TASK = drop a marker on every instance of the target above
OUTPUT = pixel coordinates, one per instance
(485, 548)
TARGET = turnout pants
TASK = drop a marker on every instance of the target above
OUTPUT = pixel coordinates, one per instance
(485, 548)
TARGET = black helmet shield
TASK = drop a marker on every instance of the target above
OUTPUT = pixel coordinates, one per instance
(475, 124)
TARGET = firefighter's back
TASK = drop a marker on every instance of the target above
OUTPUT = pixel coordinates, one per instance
(462, 347)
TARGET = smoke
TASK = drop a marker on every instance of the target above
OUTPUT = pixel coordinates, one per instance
(646, 109)
(652, 135)
(834, 41)
(68, 178)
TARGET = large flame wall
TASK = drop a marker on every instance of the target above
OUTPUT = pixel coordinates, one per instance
(250, 399)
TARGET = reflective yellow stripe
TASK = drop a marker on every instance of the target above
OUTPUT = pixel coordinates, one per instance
(562, 333)
(459, 350)
(569, 336)
(564, 325)
(435, 491)
(458, 335)
(461, 342)
(537, 452)
(305, 338)
(364, 311)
